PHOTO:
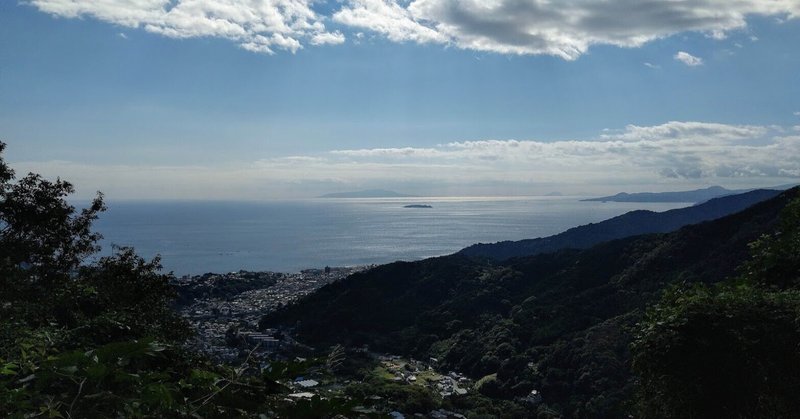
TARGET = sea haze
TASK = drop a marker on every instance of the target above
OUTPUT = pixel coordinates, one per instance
(286, 236)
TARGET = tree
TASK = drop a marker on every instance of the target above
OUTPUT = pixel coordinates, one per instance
(775, 259)
(44, 277)
(728, 350)
(67, 326)
(40, 232)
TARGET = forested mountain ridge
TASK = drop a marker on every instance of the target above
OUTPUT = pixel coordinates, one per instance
(626, 225)
(559, 322)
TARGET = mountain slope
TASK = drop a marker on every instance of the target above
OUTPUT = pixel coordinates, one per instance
(553, 322)
(625, 225)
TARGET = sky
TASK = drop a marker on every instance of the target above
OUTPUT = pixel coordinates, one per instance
(284, 99)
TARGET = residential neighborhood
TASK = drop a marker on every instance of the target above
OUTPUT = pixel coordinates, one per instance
(225, 308)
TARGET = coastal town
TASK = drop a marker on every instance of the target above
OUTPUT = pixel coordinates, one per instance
(226, 308)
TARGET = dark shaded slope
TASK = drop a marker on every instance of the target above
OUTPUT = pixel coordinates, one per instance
(626, 225)
(554, 322)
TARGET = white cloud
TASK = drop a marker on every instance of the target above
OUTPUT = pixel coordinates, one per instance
(564, 28)
(688, 59)
(797, 113)
(694, 132)
(387, 18)
(653, 66)
(687, 150)
(256, 25)
(327, 38)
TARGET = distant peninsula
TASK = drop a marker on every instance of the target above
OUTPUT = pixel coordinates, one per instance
(626, 225)
(417, 206)
(697, 195)
(369, 193)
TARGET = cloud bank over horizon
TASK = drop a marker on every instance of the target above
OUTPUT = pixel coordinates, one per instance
(668, 156)
(565, 29)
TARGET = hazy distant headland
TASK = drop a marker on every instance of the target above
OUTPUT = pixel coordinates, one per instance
(696, 196)
(368, 193)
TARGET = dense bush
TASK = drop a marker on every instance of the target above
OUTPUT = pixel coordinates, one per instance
(729, 350)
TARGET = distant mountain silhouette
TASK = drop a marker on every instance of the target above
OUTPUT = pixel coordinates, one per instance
(626, 225)
(369, 193)
(697, 195)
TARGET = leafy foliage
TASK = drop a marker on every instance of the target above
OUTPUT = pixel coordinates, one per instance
(725, 351)
(728, 350)
(41, 232)
(775, 259)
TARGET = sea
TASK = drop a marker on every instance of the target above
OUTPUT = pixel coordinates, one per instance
(196, 237)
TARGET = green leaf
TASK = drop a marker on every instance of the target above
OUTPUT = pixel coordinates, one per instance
(9, 369)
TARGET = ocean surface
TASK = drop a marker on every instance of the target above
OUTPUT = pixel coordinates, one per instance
(198, 237)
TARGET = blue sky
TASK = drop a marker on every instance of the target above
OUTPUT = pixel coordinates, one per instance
(238, 99)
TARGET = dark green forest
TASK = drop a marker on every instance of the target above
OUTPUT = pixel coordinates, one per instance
(700, 322)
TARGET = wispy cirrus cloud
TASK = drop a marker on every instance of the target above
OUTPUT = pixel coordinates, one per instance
(565, 29)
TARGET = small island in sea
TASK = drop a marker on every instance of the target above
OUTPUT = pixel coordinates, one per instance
(417, 206)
